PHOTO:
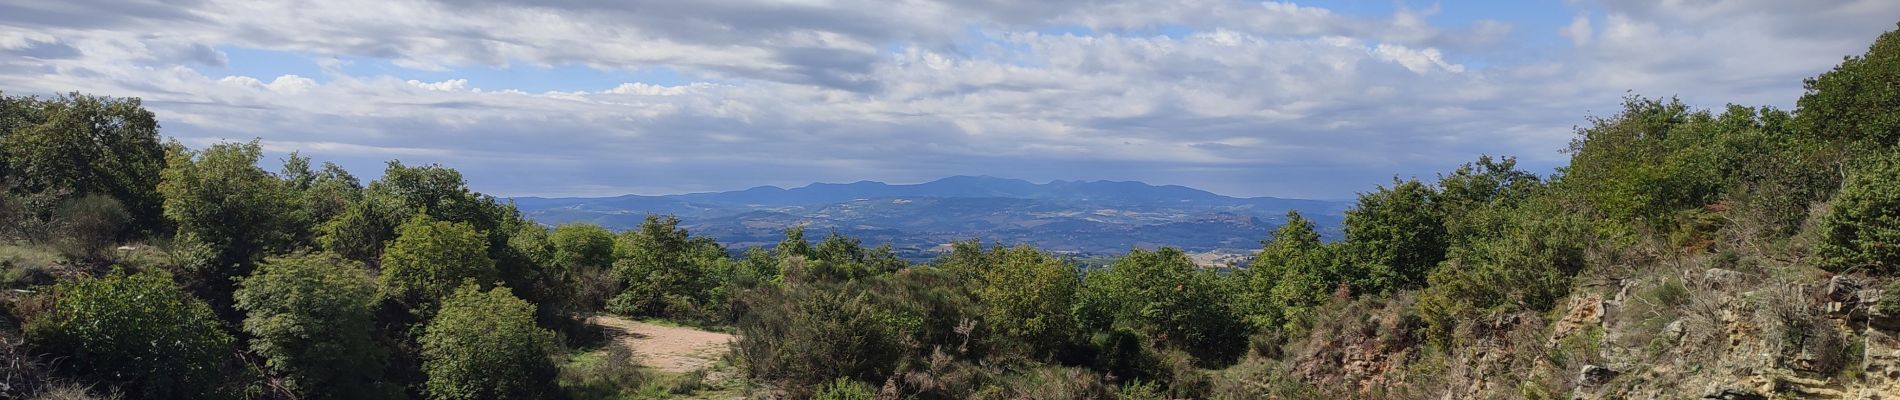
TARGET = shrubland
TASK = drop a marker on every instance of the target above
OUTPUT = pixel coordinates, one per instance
(1742, 252)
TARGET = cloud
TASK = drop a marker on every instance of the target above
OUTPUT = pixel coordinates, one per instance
(1239, 97)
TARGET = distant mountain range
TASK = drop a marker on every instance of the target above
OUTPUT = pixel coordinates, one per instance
(1076, 217)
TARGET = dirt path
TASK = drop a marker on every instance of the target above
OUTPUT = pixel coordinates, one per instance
(666, 348)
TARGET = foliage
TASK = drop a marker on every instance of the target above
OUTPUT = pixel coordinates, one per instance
(310, 318)
(844, 389)
(1164, 296)
(661, 261)
(583, 246)
(91, 225)
(220, 198)
(804, 336)
(137, 329)
(485, 345)
(1026, 294)
(429, 259)
(1855, 102)
(1862, 230)
(361, 229)
(1398, 235)
(1293, 273)
(1526, 265)
(78, 145)
(1645, 162)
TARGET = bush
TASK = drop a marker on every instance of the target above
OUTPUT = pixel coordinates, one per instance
(1026, 294)
(310, 318)
(802, 337)
(136, 329)
(429, 259)
(608, 374)
(1163, 295)
(91, 226)
(659, 261)
(1527, 265)
(1862, 232)
(844, 389)
(485, 345)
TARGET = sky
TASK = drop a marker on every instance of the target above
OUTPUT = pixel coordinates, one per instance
(608, 97)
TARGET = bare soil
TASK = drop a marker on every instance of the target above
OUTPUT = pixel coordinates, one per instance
(666, 348)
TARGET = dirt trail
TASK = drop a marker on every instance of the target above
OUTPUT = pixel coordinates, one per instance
(666, 348)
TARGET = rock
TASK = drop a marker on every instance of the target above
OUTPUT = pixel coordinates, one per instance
(1586, 312)
(1734, 393)
(1720, 278)
(1675, 330)
(1594, 375)
(1843, 289)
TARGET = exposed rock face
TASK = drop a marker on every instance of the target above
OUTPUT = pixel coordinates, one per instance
(1595, 375)
(1732, 336)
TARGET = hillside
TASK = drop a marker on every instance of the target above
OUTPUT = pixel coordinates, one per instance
(1084, 218)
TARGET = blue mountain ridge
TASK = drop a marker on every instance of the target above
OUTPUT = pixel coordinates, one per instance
(1077, 217)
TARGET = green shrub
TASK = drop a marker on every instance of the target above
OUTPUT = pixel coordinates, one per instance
(136, 329)
(661, 260)
(485, 345)
(1862, 231)
(429, 259)
(310, 318)
(1164, 295)
(804, 336)
(611, 373)
(91, 226)
(844, 389)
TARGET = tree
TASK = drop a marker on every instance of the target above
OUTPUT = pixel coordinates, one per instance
(363, 229)
(220, 198)
(1293, 273)
(485, 345)
(319, 196)
(137, 329)
(1026, 294)
(1398, 234)
(1862, 230)
(1163, 295)
(81, 145)
(583, 246)
(1855, 102)
(429, 259)
(794, 244)
(310, 318)
(661, 267)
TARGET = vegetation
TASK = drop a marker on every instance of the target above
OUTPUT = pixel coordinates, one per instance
(307, 283)
(135, 329)
(310, 317)
(485, 345)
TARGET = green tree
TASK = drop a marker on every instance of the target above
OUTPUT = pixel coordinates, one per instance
(138, 330)
(362, 229)
(1293, 273)
(1855, 102)
(220, 198)
(1164, 296)
(81, 145)
(319, 195)
(583, 246)
(430, 258)
(662, 268)
(1026, 294)
(1862, 230)
(310, 318)
(1526, 264)
(794, 244)
(1397, 235)
(485, 345)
